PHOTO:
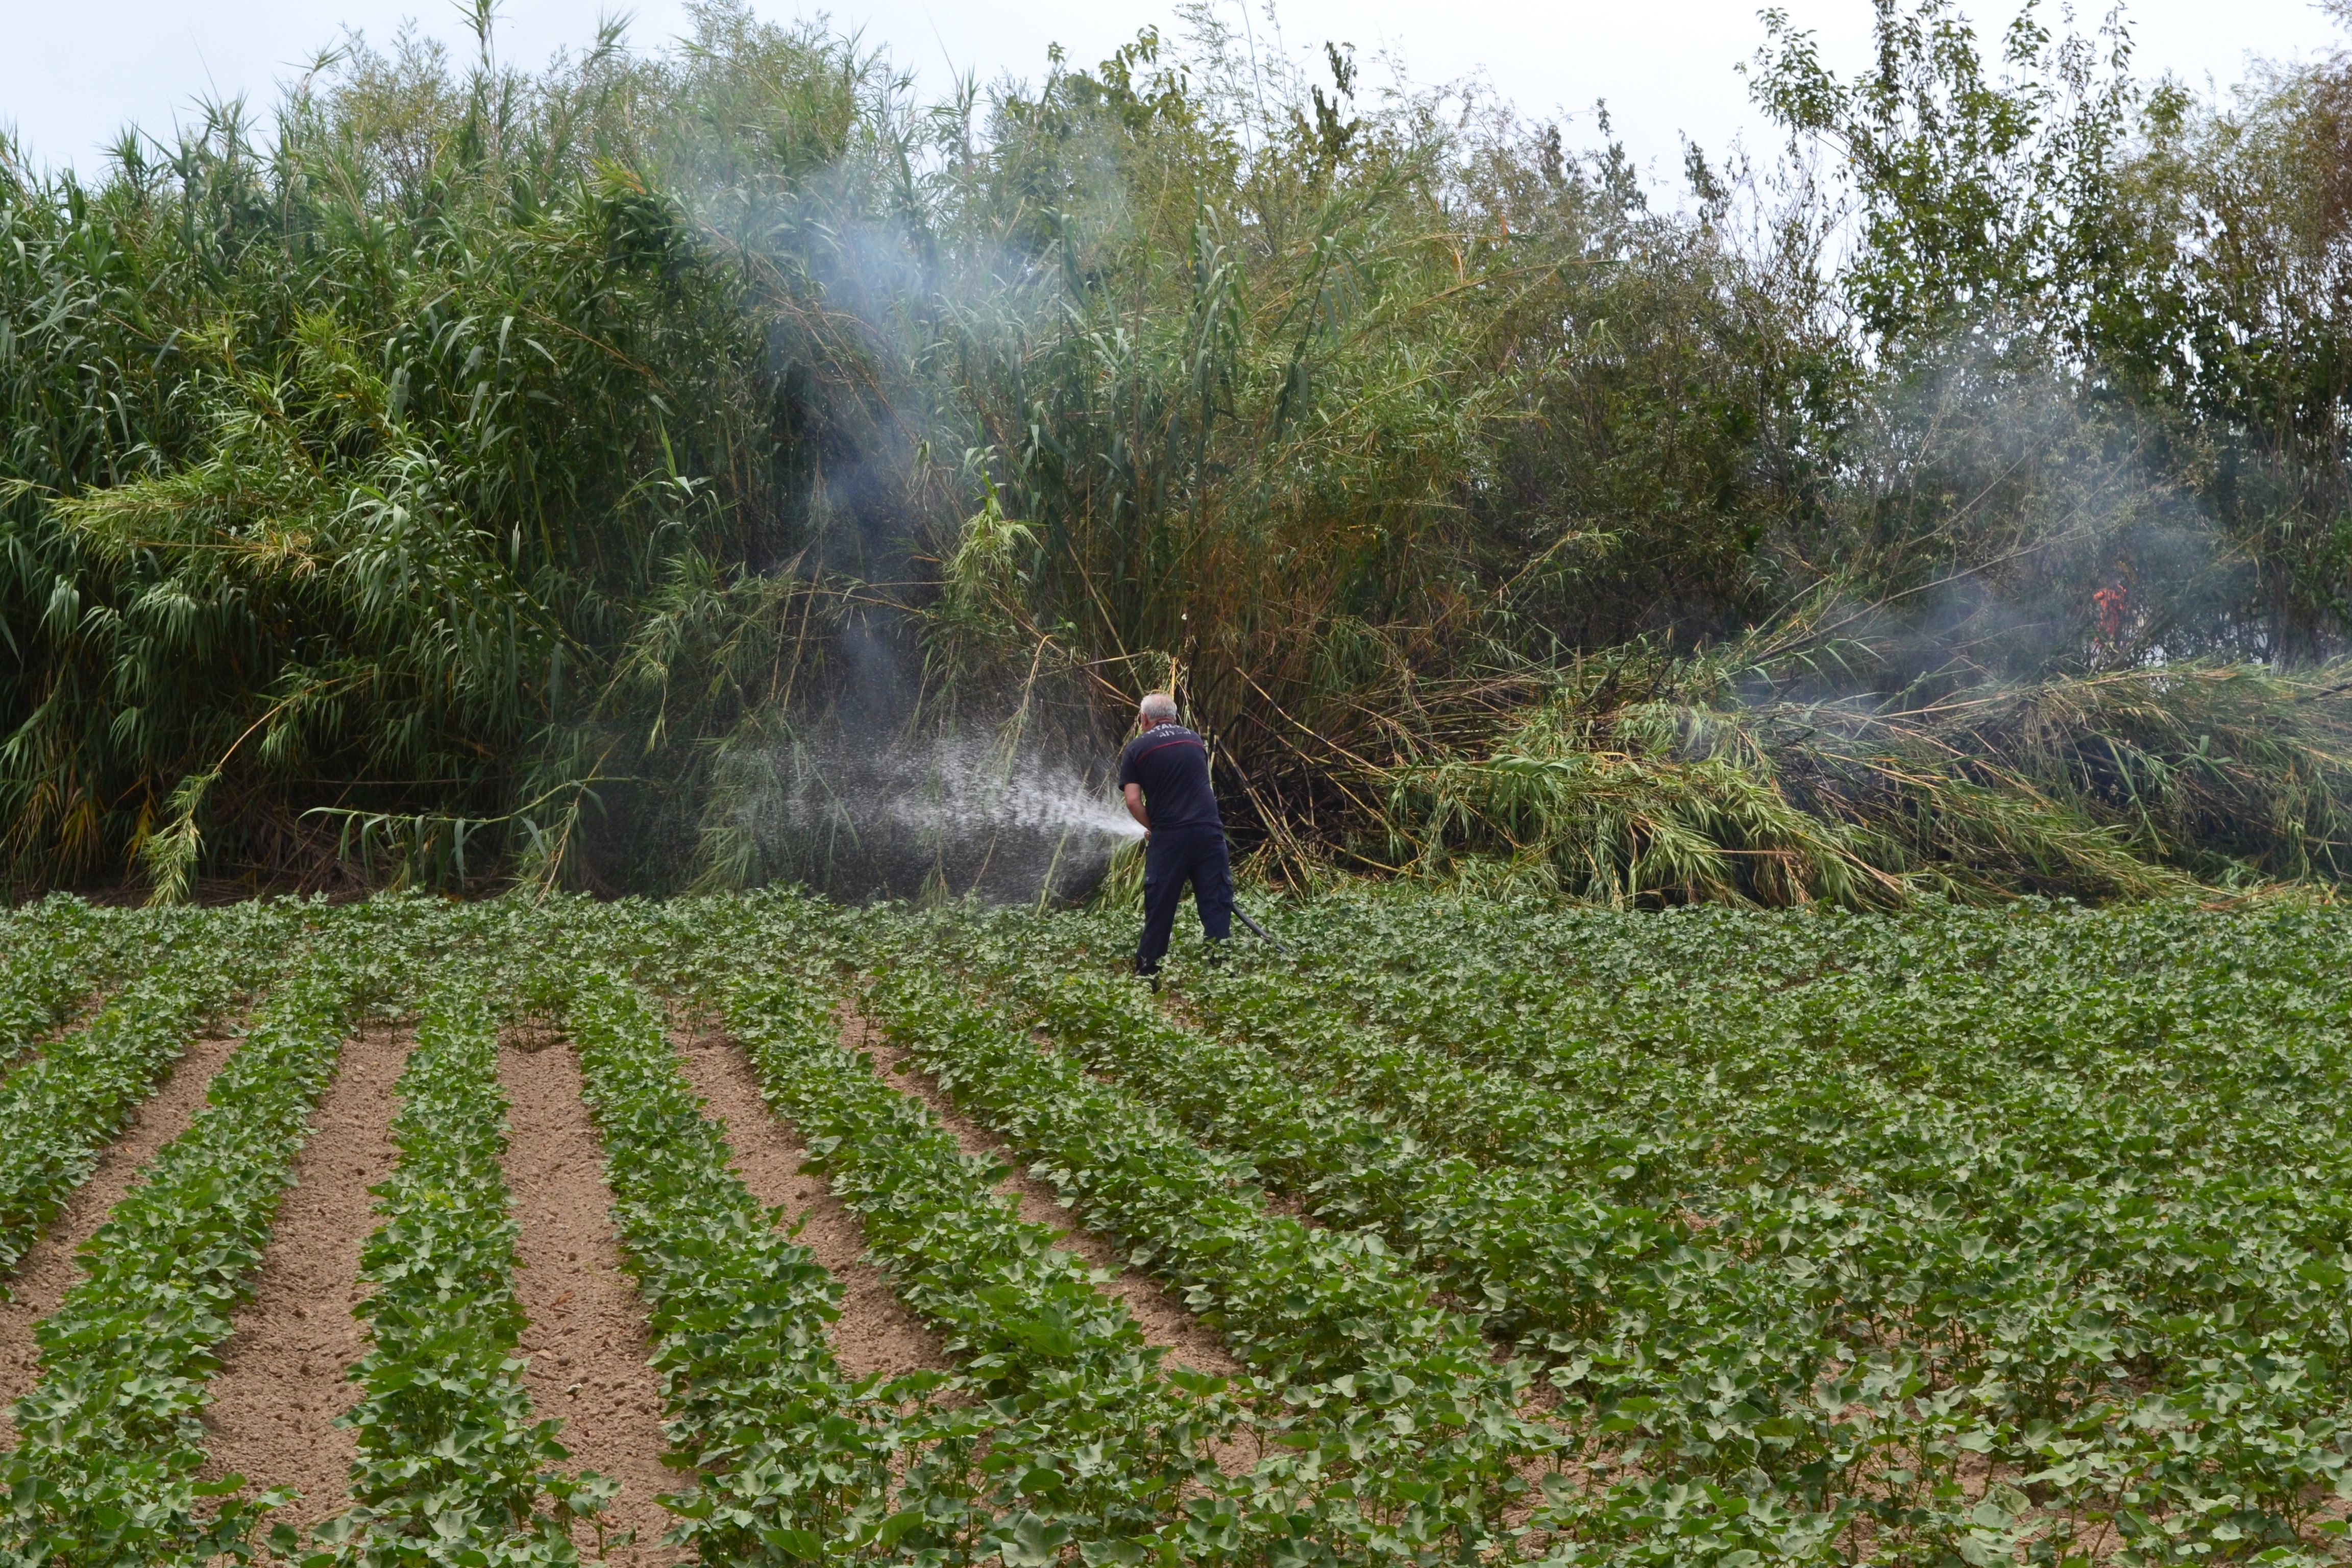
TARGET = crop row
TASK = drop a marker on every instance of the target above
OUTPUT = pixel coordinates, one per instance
(1393, 1430)
(787, 1461)
(2177, 1054)
(1079, 1435)
(451, 1464)
(110, 1438)
(61, 1107)
(1707, 1359)
(1837, 1244)
(1731, 1392)
(1059, 1431)
(1387, 1429)
(1670, 1025)
(53, 955)
(2058, 1188)
(1543, 1260)
(1539, 1256)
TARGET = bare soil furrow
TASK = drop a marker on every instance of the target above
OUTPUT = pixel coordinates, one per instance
(587, 1342)
(53, 1266)
(876, 1332)
(1163, 1319)
(281, 1384)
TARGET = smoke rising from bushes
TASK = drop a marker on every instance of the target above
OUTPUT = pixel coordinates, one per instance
(504, 513)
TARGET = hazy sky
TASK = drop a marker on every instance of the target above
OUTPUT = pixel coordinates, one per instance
(72, 74)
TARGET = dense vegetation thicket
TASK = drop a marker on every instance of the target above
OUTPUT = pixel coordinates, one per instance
(493, 473)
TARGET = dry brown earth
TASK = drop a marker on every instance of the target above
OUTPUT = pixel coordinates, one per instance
(52, 1266)
(282, 1383)
(1163, 1319)
(586, 1339)
(876, 1332)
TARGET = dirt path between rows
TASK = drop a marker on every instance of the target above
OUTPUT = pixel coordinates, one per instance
(52, 1268)
(1163, 1319)
(586, 1339)
(876, 1332)
(282, 1383)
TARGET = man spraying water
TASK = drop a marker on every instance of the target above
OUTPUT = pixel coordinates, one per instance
(1164, 775)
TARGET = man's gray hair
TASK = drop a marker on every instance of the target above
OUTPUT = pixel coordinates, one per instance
(1158, 707)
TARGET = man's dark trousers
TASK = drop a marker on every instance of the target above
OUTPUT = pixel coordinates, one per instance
(1174, 857)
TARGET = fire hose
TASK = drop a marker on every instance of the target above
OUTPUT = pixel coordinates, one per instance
(1243, 915)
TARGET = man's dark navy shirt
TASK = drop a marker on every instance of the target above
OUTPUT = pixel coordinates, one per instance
(1171, 763)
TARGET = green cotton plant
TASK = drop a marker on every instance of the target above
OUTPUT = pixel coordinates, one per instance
(1598, 1238)
(1529, 1253)
(112, 1436)
(1554, 1268)
(1978, 1233)
(1077, 1437)
(63, 1107)
(59, 952)
(2005, 1156)
(1058, 1427)
(453, 1468)
(785, 1459)
(1390, 1430)
(1549, 1266)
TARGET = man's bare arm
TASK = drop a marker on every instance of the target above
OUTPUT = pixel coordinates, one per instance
(1135, 807)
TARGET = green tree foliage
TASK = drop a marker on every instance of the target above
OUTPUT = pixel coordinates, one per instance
(486, 471)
